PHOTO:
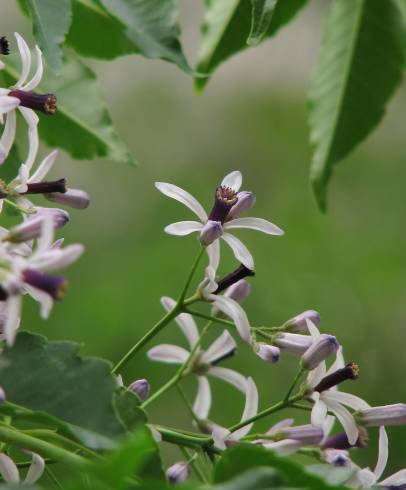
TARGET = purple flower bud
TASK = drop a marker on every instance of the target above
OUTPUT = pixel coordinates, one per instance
(307, 434)
(2, 395)
(350, 371)
(385, 415)
(268, 353)
(340, 441)
(224, 200)
(55, 286)
(245, 202)
(298, 323)
(338, 458)
(141, 388)
(210, 232)
(178, 473)
(32, 227)
(293, 342)
(74, 198)
(239, 291)
(319, 351)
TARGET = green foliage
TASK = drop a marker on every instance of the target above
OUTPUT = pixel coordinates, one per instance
(260, 478)
(360, 65)
(51, 21)
(262, 12)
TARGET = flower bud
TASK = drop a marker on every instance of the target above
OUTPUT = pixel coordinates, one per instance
(238, 291)
(350, 371)
(141, 388)
(210, 232)
(298, 323)
(268, 353)
(74, 198)
(293, 342)
(385, 415)
(178, 473)
(2, 395)
(338, 458)
(245, 202)
(307, 434)
(319, 351)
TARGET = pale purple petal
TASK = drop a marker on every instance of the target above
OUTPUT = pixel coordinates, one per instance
(25, 59)
(8, 103)
(171, 354)
(8, 469)
(184, 197)
(257, 224)
(241, 252)
(352, 401)
(57, 258)
(251, 408)
(221, 347)
(36, 469)
(7, 138)
(213, 251)
(220, 435)
(35, 80)
(346, 420)
(45, 166)
(33, 141)
(234, 311)
(397, 479)
(202, 404)
(319, 411)
(13, 318)
(44, 299)
(366, 478)
(279, 426)
(184, 320)
(230, 376)
(284, 447)
(233, 180)
(383, 453)
(182, 228)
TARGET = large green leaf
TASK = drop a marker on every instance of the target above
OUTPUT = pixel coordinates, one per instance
(262, 12)
(227, 26)
(51, 21)
(82, 125)
(257, 478)
(152, 25)
(96, 33)
(360, 65)
(51, 377)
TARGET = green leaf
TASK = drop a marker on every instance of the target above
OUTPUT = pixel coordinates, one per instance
(152, 25)
(258, 479)
(51, 377)
(51, 21)
(359, 67)
(227, 26)
(96, 33)
(82, 125)
(262, 12)
(331, 474)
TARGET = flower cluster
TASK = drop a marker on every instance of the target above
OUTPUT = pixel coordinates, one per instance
(316, 384)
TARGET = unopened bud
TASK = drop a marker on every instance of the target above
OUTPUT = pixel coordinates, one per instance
(178, 473)
(2, 395)
(319, 351)
(239, 291)
(338, 458)
(307, 434)
(268, 353)
(210, 232)
(245, 202)
(385, 415)
(298, 323)
(350, 371)
(293, 342)
(74, 198)
(141, 388)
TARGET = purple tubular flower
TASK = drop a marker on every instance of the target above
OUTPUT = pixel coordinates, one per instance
(298, 323)
(307, 434)
(385, 415)
(319, 351)
(240, 273)
(293, 342)
(224, 200)
(141, 388)
(268, 353)
(239, 291)
(340, 441)
(55, 286)
(210, 232)
(32, 227)
(178, 473)
(2, 395)
(45, 103)
(74, 198)
(349, 371)
(245, 201)
(46, 187)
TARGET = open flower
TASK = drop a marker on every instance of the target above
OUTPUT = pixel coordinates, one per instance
(221, 219)
(203, 363)
(10, 473)
(22, 97)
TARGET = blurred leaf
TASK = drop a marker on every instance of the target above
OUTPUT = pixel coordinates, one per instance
(359, 67)
(239, 459)
(152, 25)
(126, 405)
(51, 21)
(262, 12)
(82, 125)
(9, 169)
(258, 479)
(331, 474)
(51, 377)
(97, 34)
(227, 26)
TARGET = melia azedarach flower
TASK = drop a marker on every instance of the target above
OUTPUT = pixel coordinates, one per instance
(9, 470)
(229, 204)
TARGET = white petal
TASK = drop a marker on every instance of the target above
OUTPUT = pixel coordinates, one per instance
(46, 238)
(182, 228)
(213, 251)
(346, 420)
(57, 258)
(20, 182)
(328, 425)
(119, 380)
(13, 318)
(184, 320)
(338, 363)
(219, 435)
(366, 478)
(222, 346)
(36, 469)
(8, 104)
(352, 401)
(241, 252)
(316, 375)
(44, 299)
(38, 72)
(251, 408)
(398, 478)
(257, 224)
(33, 141)
(25, 59)
(230, 376)
(44, 167)
(382, 453)
(171, 354)
(313, 330)
(319, 411)
(233, 180)
(7, 138)
(284, 447)
(8, 469)
(234, 311)
(279, 426)
(202, 404)
(184, 197)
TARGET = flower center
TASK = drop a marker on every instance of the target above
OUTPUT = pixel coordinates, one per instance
(45, 103)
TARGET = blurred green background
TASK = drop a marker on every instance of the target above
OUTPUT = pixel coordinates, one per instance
(350, 264)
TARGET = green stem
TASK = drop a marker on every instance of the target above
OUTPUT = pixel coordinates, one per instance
(17, 207)
(187, 440)
(210, 318)
(294, 383)
(19, 439)
(190, 276)
(193, 463)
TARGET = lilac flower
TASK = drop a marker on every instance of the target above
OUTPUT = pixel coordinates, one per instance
(385, 415)
(10, 473)
(204, 363)
(268, 353)
(140, 387)
(319, 351)
(340, 458)
(298, 323)
(178, 473)
(217, 223)
(293, 342)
